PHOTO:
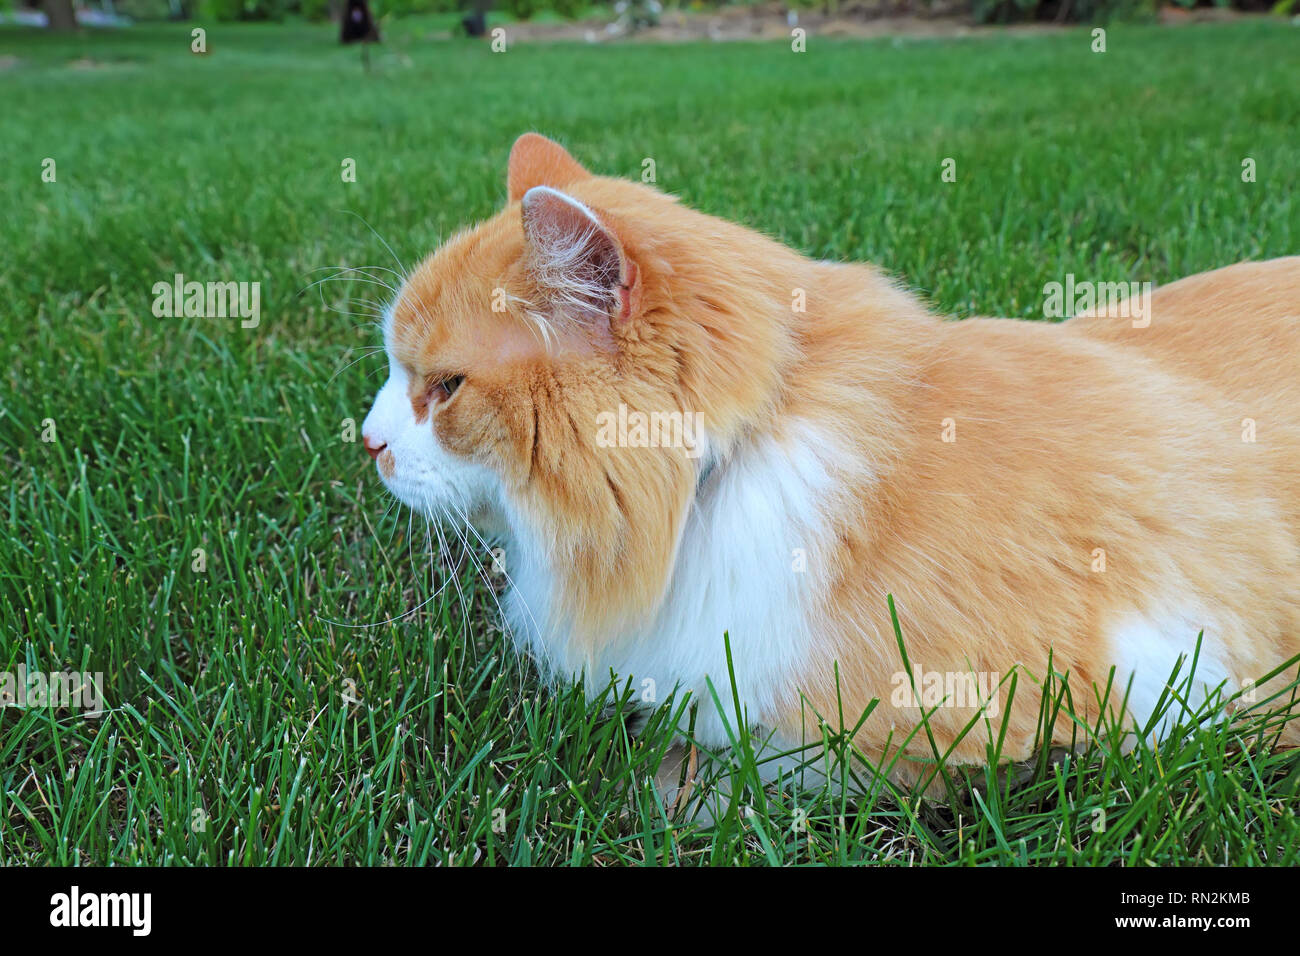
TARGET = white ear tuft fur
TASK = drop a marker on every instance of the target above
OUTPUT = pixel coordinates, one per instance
(571, 254)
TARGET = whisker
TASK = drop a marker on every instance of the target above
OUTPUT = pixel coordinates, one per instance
(478, 565)
(455, 577)
(360, 358)
(504, 573)
(400, 264)
(399, 617)
(339, 277)
(365, 270)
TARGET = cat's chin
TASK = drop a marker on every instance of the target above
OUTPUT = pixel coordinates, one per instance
(438, 505)
(418, 497)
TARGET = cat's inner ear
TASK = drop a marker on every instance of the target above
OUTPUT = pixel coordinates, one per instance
(538, 161)
(575, 258)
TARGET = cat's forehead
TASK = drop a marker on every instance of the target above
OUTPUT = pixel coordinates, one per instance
(455, 277)
(464, 298)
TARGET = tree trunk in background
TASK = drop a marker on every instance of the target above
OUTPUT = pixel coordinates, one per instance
(60, 14)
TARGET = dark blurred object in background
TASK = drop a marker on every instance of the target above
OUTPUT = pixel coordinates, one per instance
(358, 24)
(475, 23)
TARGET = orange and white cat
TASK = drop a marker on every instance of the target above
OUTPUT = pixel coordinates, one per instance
(677, 428)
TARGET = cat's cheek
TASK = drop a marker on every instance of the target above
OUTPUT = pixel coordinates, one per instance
(451, 437)
(469, 432)
(511, 442)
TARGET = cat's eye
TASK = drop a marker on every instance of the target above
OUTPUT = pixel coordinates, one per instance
(447, 387)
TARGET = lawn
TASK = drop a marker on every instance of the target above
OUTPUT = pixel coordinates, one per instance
(292, 674)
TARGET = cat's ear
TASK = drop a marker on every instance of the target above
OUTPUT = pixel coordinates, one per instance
(576, 258)
(538, 161)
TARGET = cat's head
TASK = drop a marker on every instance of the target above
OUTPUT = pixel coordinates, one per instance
(564, 373)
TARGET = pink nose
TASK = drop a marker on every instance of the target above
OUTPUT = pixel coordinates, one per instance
(372, 448)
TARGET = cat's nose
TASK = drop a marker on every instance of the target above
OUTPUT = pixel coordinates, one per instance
(373, 448)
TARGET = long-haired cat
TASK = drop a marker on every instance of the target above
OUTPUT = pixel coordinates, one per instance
(678, 429)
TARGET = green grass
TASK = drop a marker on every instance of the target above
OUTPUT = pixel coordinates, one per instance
(226, 688)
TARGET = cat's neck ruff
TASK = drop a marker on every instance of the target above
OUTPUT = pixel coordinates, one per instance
(749, 565)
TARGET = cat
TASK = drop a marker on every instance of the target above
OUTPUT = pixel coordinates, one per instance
(1100, 490)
